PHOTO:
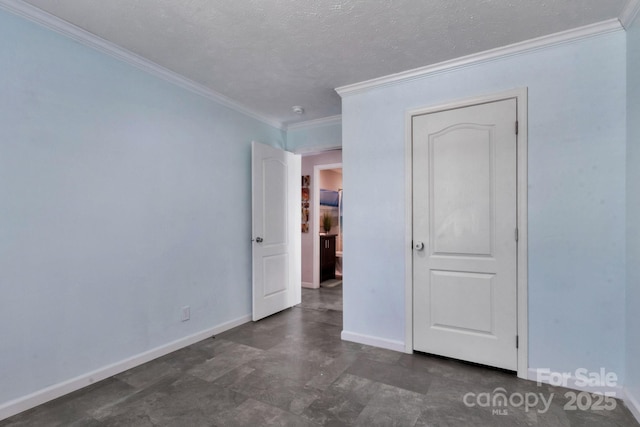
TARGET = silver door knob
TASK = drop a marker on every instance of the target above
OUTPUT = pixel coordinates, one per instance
(418, 246)
(259, 239)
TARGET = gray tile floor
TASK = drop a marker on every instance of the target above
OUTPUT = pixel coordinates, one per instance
(292, 369)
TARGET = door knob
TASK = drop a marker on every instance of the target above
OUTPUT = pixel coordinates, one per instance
(418, 246)
(259, 239)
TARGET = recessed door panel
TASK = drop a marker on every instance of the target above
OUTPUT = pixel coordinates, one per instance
(275, 269)
(462, 302)
(275, 206)
(462, 177)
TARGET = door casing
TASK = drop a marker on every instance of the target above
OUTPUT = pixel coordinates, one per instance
(522, 258)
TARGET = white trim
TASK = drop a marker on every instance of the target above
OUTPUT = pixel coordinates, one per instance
(308, 285)
(44, 395)
(563, 37)
(309, 124)
(316, 219)
(632, 402)
(311, 151)
(522, 259)
(571, 382)
(372, 341)
(408, 233)
(630, 13)
(522, 97)
(86, 38)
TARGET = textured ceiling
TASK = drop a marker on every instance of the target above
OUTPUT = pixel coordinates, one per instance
(269, 55)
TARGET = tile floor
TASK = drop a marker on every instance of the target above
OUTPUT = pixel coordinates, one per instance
(292, 369)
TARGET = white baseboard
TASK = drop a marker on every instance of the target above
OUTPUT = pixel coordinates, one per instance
(633, 403)
(373, 341)
(44, 395)
(573, 383)
(307, 285)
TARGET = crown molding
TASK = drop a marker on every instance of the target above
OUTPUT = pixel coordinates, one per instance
(324, 121)
(630, 13)
(563, 37)
(311, 151)
(86, 38)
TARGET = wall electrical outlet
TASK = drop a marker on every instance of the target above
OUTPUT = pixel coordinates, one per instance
(186, 313)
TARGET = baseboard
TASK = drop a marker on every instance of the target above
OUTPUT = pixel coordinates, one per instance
(39, 397)
(373, 341)
(632, 403)
(308, 285)
(573, 383)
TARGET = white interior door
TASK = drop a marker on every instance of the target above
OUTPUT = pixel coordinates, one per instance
(464, 233)
(276, 199)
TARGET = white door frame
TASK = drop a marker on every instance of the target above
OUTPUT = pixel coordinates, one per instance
(522, 257)
(316, 219)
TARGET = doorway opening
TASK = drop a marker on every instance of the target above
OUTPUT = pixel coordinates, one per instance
(322, 249)
(328, 206)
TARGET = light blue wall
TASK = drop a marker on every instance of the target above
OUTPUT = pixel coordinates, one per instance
(122, 198)
(633, 210)
(314, 139)
(576, 197)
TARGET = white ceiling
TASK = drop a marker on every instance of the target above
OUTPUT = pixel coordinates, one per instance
(269, 55)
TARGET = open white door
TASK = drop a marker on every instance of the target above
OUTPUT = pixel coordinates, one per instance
(276, 199)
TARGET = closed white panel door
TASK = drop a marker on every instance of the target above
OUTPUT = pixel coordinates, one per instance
(276, 230)
(464, 233)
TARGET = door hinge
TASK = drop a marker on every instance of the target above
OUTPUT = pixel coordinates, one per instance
(516, 234)
(517, 127)
(517, 341)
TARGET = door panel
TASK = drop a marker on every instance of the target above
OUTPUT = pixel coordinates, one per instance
(276, 271)
(461, 194)
(274, 173)
(276, 230)
(471, 314)
(464, 211)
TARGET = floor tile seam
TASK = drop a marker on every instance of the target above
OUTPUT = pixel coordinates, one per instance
(306, 417)
(226, 351)
(320, 322)
(137, 396)
(162, 381)
(391, 385)
(303, 386)
(319, 309)
(259, 398)
(256, 399)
